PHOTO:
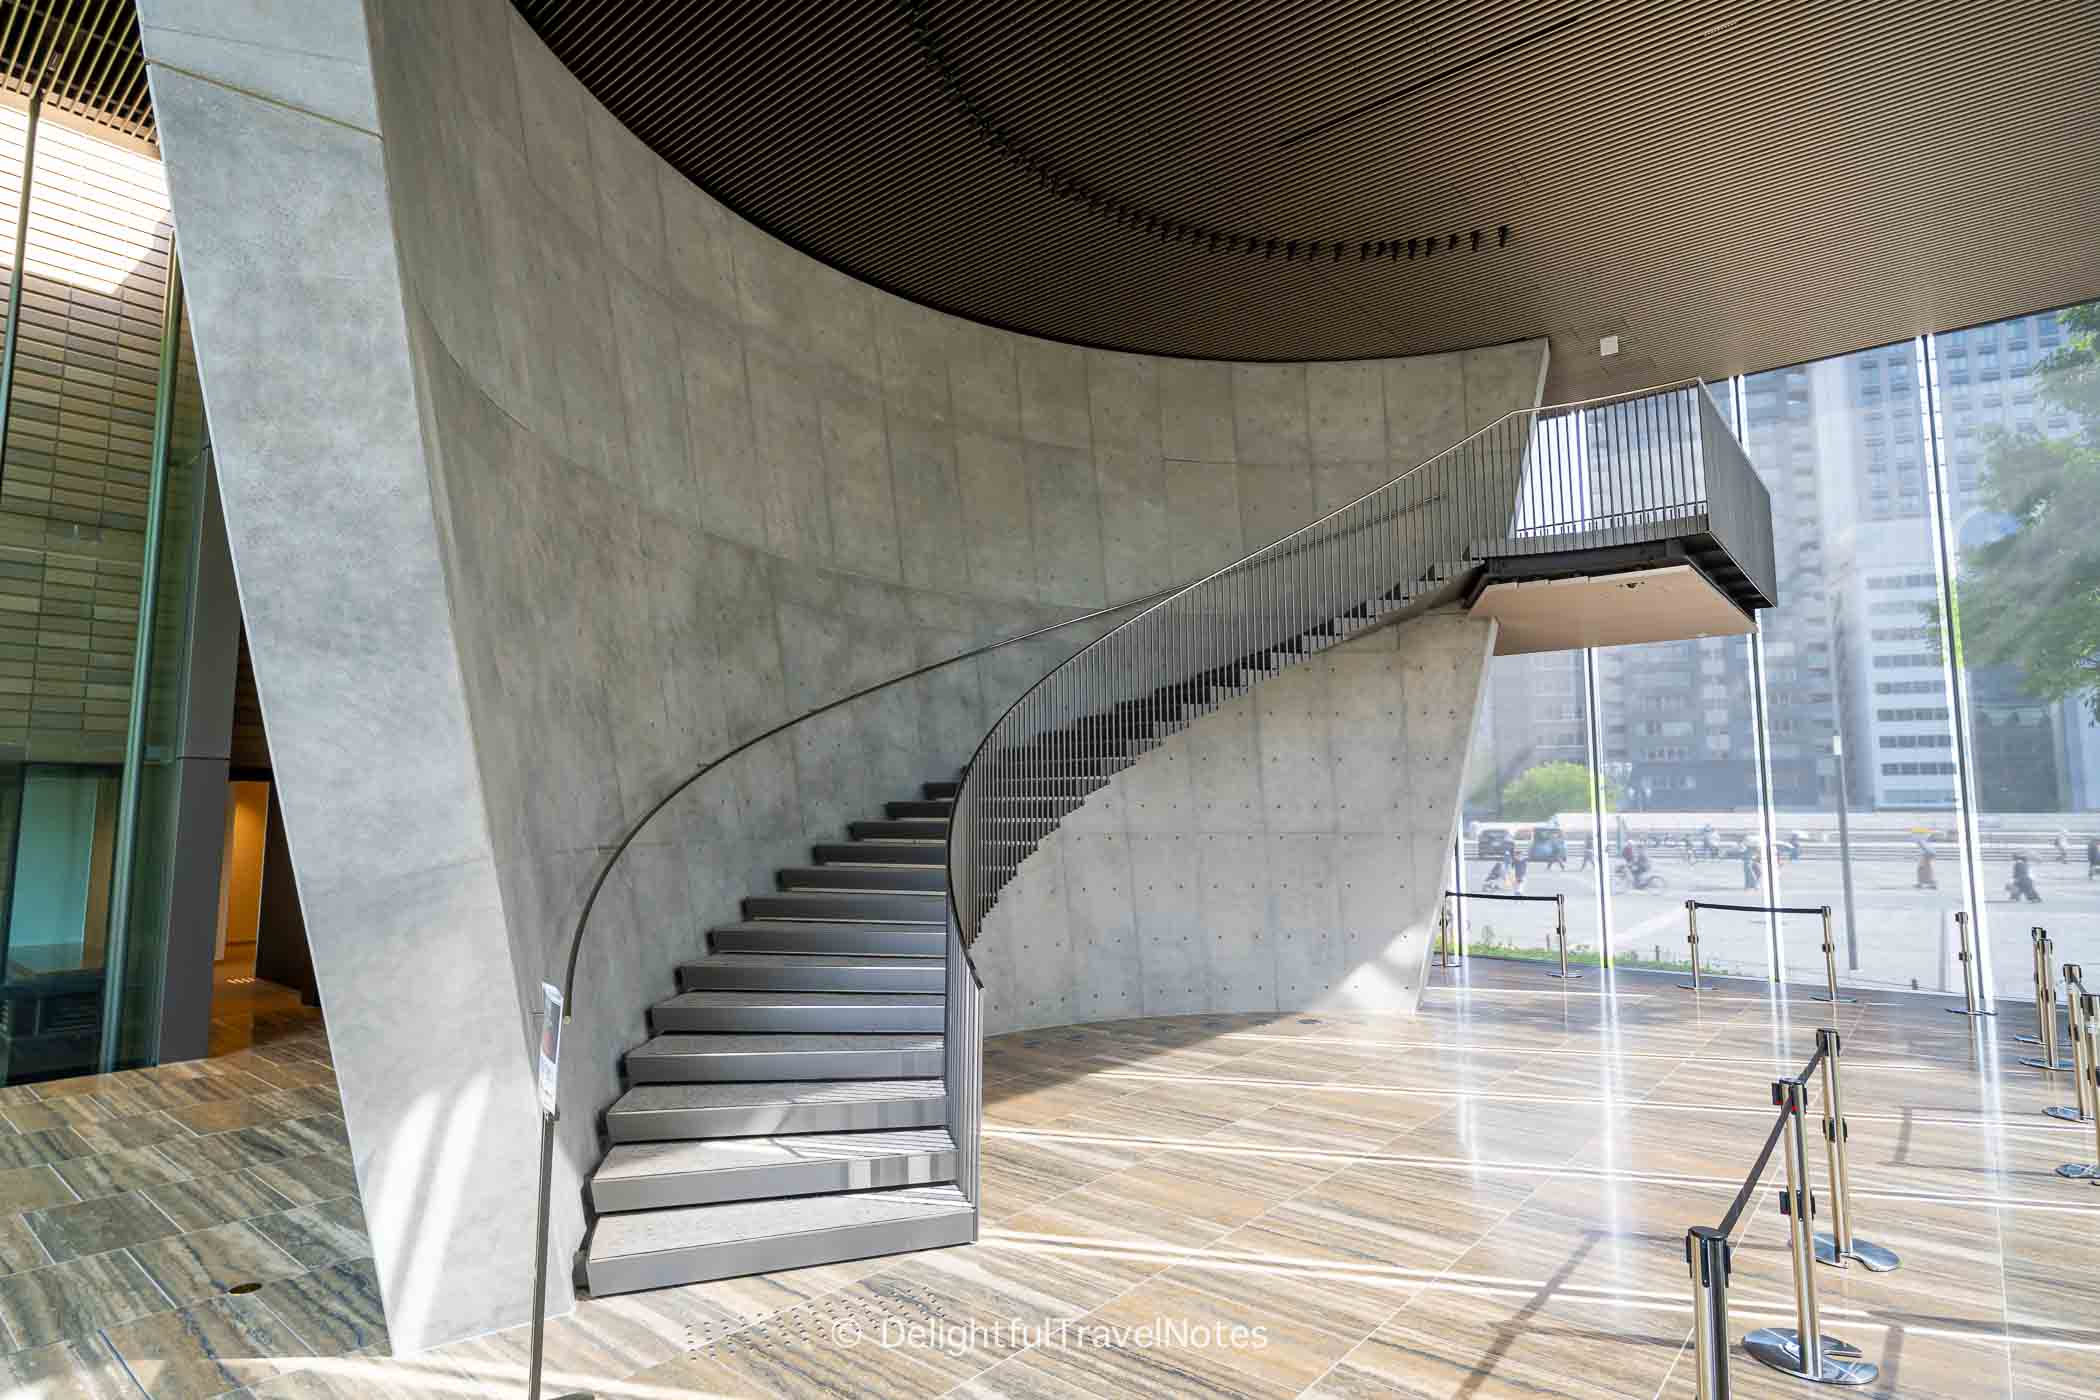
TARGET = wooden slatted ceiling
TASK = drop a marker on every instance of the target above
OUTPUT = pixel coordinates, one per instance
(1728, 188)
(84, 55)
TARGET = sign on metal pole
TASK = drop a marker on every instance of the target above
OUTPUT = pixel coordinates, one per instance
(550, 1048)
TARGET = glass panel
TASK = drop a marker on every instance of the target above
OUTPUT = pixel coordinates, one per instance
(73, 488)
(1527, 811)
(1682, 807)
(2023, 483)
(1852, 654)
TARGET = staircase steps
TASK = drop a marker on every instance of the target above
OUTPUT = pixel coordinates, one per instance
(819, 972)
(656, 1175)
(652, 1249)
(880, 852)
(944, 788)
(942, 807)
(668, 1112)
(797, 937)
(866, 906)
(906, 827)
(861, 877)
(711, 1013)
(678, 1058)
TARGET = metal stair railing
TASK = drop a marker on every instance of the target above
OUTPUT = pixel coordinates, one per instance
(964, 1085)
(1625, 469)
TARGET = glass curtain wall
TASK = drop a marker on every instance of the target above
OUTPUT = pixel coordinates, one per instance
(2017, 413)
(76, 463)
(1529, 817)
(1914, 731)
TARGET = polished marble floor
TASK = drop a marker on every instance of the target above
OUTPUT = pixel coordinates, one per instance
(1485, 1201)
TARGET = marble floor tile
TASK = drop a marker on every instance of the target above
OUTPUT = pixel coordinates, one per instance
(112, 1173)
(32, 1149)
(20, 1249)
(204, 1201)
(205, 1263)
(76, 1370)
(318, 1234)
(332, 1310)
(69, 1301)
(137, 1130)
(93, 1226)
(320, 1176)
(206, 1349)
(223, 1115)
(32, 1188)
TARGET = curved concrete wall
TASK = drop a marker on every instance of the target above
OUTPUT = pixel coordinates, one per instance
(683, 482)
(1283, 853)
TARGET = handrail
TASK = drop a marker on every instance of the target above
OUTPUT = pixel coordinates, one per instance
(583, 917)
(1336, 560)
(627, 838)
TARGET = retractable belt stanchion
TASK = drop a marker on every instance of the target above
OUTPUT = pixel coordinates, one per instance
(1971, 987)
(1691, 938)
(1443, 932)
(1821, 911)
(2044, 1008)
(1830, 963)
(2092, 1070)
(2081, 1109)
(1706, 1250)
(1841, 1244)
(2083, 1047)
(1560, 932)
(1560, 921)
(1804, 1351)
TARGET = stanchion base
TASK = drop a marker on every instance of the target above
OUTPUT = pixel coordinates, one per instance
(2037, 1062)
(2079, 1171)
(1964, 1011)
(1688, 987)
(1566, 976)
(1874, 1258)
(2027, 1040)
(1780, 1348)
(1821, 997)
(2066, 1114)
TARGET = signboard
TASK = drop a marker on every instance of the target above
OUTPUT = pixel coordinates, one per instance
(550, 1049)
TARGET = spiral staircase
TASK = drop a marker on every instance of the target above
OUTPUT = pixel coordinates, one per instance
(810, 1094)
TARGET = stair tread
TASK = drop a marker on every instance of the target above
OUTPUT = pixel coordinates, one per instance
(840, 1001)
(873, 961)
(666, 1098)
(780, 1043)
(689, 1227)
(629, 1160)
(827, 927)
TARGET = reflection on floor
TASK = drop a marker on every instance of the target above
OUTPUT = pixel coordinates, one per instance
(1486, 1201)
(246, 1011)
(133, 1204)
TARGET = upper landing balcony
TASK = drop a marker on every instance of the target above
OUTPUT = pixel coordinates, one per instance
(1636, 520)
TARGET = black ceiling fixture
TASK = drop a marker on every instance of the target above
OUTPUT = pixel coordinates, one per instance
(1006, 145)
(1744, 189)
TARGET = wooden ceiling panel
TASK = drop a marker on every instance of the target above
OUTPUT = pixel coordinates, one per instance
(1727, 188)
